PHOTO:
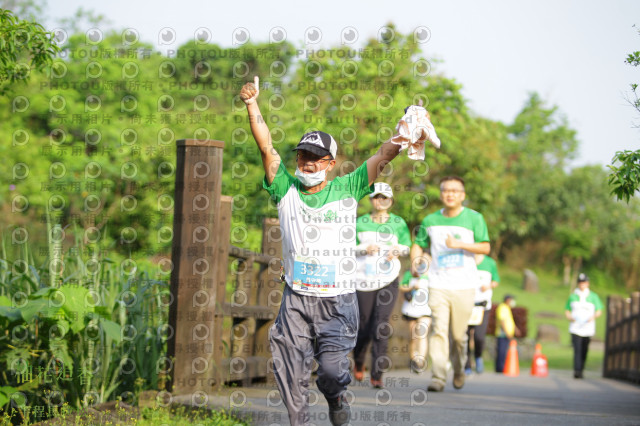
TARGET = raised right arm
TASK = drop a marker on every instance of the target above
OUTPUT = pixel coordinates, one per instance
(270, 157)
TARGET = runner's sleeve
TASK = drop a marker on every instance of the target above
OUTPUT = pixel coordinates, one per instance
(422, 237)
(480, 231)
(356, 182)
(598, 303)
(402, 230)
(567, 306)
(494, 271)
(500, 313)
(280, 185)
(359, 223)
(406, 278)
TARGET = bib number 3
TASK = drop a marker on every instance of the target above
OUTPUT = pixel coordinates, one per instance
(307, 275)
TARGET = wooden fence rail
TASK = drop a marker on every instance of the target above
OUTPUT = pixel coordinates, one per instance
(622, 345)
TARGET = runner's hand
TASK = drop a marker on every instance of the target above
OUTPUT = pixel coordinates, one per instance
(393, 253)
(250, 91)
(453, 242)
(373, 249)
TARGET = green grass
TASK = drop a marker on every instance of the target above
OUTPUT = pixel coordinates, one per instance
(551, 298)
(148, 416)
(184, 416)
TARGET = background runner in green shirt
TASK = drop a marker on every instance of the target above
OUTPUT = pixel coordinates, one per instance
(453, 235)
(416, 310)
(582, 309)
(382, 237)
(488, 279)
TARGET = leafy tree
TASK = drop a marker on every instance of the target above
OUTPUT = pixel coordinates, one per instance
(633, 59)
(23, 45)
(625, 178)
(114, 103)
(539, 144)
(585, 211)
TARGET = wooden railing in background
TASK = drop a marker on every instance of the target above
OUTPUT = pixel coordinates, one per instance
(622, 342)
(253, 306)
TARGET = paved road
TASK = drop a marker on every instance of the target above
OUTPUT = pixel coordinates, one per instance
(486, 399)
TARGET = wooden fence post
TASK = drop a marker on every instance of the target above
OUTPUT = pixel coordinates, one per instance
(270, 288)
(622, 348)
(197, 267)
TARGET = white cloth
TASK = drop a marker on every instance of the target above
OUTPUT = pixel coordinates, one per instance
(413, 129)
(484, 279)
(419, 304)
(582, 311)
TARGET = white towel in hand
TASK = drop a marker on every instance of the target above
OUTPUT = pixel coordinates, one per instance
(413, 129)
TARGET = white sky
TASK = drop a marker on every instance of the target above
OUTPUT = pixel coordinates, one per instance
(571, 52)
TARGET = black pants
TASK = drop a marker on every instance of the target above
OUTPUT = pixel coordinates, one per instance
(479, 332)
(501, 353)
(375, 309)
(580, 349)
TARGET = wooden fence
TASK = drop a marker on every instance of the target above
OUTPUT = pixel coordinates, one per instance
(622, 342)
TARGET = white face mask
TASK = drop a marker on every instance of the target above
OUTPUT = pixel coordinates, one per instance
(311, 179)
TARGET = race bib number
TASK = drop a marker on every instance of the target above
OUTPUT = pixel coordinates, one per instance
(315, 276)
(453, 259)
(370, 266)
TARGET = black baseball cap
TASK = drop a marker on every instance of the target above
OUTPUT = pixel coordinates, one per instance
(319, 143)
(582, 277)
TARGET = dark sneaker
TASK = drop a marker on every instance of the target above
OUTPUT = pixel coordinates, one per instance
(577, 374)
(458, 380)
(417, 365)
(339, 411)
(436, 387)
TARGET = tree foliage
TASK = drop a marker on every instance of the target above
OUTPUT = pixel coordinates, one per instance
(23, 45)
(93, 140)
(625, 176)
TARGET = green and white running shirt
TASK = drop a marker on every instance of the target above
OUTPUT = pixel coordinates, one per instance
(319, 231)
(487, 272)
(375, 271)
(583, 305)
(452, 269)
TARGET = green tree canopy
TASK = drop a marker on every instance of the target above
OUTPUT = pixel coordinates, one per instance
(23, 45)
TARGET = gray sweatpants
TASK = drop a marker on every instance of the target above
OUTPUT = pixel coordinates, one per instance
(308, 327)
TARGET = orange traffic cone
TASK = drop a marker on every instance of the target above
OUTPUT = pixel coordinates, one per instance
(511, 365)
(539, 365)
